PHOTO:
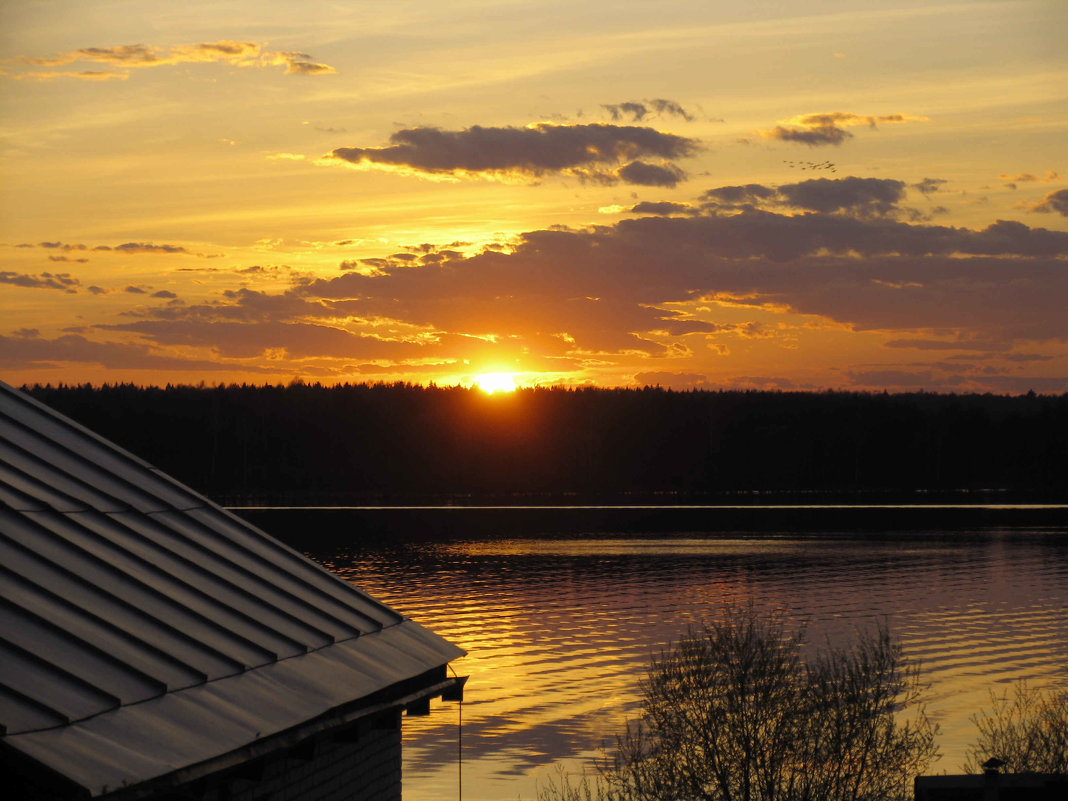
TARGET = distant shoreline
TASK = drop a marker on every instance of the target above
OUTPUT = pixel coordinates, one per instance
(754, 499)
(655, 507)
(414, 446)
(316, 526)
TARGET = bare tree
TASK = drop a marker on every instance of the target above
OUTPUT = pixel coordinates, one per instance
(734, 712)
(1027, 730)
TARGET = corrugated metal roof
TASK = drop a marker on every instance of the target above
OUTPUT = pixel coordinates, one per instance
(145, 630)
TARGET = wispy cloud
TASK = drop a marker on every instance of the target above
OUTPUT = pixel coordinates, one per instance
(637, 111)
(1011, 179)
(598, 153)
(128, 248)
(84, 75)
(140, 56)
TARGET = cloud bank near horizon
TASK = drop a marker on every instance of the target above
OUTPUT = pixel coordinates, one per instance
(660, 291)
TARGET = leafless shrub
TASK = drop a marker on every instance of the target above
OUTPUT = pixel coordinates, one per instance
(1027, 730)
(733, 712)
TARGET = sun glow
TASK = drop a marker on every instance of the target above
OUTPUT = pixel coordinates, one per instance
(492, 383)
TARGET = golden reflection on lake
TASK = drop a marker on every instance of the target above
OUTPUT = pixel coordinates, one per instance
(559, 630)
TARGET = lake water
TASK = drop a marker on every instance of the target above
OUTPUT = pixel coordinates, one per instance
(559, 628)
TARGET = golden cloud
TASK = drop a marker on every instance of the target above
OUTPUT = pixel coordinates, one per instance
(236, 53)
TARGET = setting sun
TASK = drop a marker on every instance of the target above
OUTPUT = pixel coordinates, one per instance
(492, 383)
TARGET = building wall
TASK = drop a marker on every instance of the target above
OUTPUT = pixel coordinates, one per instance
(368, 769)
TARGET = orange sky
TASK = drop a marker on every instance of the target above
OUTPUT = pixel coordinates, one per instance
(794, 195)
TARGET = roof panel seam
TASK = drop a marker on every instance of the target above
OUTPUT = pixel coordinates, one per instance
(73, 678)
(107, 625)
(203, 568)
(76, 577)
(81, 642)
(295, 561)
(244, 571)
(87, 467)
(204, 596)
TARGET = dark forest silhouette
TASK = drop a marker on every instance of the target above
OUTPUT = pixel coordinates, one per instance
(396, 443)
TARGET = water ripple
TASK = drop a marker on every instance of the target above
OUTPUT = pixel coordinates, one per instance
(559, 631)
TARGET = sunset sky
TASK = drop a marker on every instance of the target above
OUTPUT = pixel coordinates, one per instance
(804, 194)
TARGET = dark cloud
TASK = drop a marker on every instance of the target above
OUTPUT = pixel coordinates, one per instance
(816, 136)
(670, 107)
(644, 174)
(739, 196)
(28, 352)
(1054, 202)
(598, 290)
(834, 250)
(928, 186)
(135, 290)
(678, 327)
(829, 128)
(247, 340)
(127, 247)
(663, 208)
(56, 246)
(938, 344)
(591, 152)
(144, 247)
(861, 197)
(63, 281)
(1020, 357)
(638, 111)
(164, 293)
(864, 198)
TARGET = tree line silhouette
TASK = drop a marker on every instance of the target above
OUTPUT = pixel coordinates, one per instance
(395, 443)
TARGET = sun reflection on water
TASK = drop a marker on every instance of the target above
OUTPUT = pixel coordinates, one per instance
(559, 631)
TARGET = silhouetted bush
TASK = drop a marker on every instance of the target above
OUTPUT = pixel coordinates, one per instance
(733, 712)
(1027, 730)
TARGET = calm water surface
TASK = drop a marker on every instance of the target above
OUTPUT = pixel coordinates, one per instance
(559, 630)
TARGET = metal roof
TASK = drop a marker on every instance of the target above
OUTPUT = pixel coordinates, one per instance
(144, 630)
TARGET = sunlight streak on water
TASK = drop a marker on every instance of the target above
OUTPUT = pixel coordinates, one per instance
(559, 631)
